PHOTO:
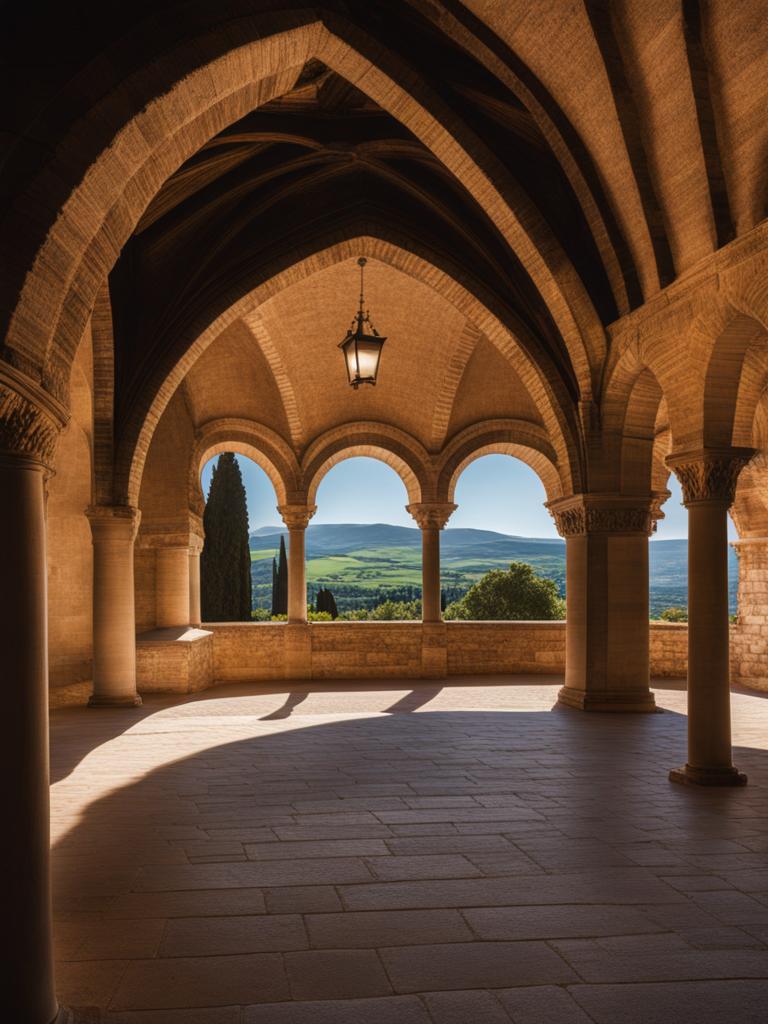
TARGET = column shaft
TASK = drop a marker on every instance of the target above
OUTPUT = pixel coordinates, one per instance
(297, 576)
(29, 995)
(172, 596)
(709, 697)
(430, 574)
(296, 517)
(708, 478)
(195, 614)
(114, 619)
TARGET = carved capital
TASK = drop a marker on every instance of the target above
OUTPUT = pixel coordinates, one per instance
(593, 513)
(709, 474)
(113, 522)
(30, 418)
(296, 517)
(431, 515)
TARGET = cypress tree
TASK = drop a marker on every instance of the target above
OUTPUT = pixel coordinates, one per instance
(282, 580)
(225, 564)
(274, 587)
(326, 602)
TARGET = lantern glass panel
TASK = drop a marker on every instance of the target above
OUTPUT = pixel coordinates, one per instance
(362, 353)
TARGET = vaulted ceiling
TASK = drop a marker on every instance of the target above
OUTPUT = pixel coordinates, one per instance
(626, 138)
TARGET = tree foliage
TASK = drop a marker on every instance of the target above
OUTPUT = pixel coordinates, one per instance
(675, 614)
(225, 564)
(280, 582)
(325, 602)
(517, 593)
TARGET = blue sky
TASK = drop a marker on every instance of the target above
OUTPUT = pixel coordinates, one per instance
(494, 493)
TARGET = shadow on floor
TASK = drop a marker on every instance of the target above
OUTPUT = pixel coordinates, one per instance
(195, 885)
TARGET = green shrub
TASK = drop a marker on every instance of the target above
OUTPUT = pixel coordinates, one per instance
(674, 615)
(518, 593)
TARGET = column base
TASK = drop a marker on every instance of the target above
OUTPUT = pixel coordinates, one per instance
(690, 776)
(607, 700)
(105, 701)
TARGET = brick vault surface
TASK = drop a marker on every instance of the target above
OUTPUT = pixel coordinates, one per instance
(405, 853)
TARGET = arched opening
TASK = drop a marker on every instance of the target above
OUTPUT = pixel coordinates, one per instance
(264, 533)
(501, 519)
(361, 544)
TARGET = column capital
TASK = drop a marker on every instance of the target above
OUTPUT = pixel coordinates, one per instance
(296, 517)
(30, 418)
(108, 520)
(431, 515)
(709, 474)
(603, 513)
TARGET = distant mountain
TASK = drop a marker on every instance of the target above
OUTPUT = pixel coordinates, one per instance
(339, 538)
(362, 561)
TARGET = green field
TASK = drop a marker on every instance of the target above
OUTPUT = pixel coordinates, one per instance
(362, 578)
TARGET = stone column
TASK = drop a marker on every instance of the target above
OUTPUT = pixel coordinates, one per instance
(296, 518)
(708, 479)
(172, 594)
(607, 620)
(195, 550)
(431, 518)
(29, 426)
(113, 530)
(176, 542)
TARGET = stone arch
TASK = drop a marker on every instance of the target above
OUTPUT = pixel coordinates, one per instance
(394, 447)
(735, 375)
(246, 437)
(167, 122)
(518, 438)
(635, 414)
(315, 258)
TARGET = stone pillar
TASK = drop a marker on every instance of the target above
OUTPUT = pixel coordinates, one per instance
(177, 542)
(172, 593)
(296, 518)
(431, 518)
(607, 618)
(113, 530)
(750, 657)
(29, 426)
(195, 550)
(708, 479)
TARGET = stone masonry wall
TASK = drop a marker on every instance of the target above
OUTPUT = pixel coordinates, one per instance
(246, 651)
(344, 650)
(749, 638)
(669, 649)
(488, 647)
(252, 652)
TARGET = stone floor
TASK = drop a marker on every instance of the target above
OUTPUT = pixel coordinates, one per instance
(405, 853)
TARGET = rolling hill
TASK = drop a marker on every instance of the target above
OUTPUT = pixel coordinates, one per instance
(364, 563)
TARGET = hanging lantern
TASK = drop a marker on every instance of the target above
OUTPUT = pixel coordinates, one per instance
(362, 351)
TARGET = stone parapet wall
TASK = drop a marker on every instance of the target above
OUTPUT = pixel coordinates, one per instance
(244, 651)
(669, 649)
(367, 650)
(174, 660)
(184, 661)
(480, 648)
